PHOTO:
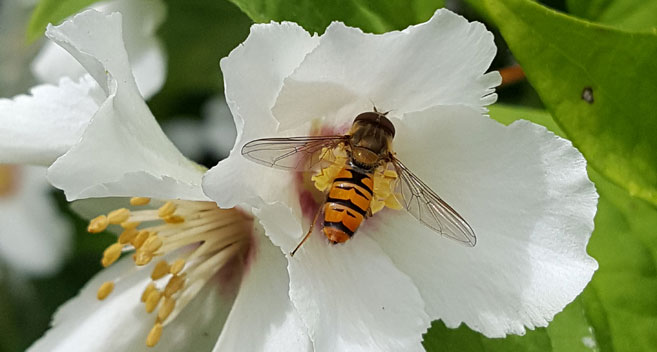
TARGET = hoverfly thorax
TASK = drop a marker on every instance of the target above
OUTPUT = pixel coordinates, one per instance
(370, 139)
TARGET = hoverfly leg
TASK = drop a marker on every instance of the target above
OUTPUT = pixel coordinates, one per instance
(312, 225)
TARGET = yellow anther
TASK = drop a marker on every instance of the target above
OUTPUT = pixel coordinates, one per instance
(174, 285)
(324, 178)
(152, 300)
(136, 201)
(140, 238)
(154, 335)
(166, 308)
(143, 257)
(147, 291)
(392, 202)
(177, 266)
(127, 236)
(384, 188)
(167, 209)
(152, 244)
(390, 174)
(173, 219)
(118, 216)
(105, 289)
(98, 224)
(130, 224)
(161, 269)
(111, 254)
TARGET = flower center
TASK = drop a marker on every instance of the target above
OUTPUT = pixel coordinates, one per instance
(202, 237)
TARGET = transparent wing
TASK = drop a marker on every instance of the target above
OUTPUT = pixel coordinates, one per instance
(292, 153)
(425, 205)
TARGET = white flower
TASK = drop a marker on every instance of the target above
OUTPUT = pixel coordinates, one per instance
(524, 191)
(141, 19)
(34, 238)
(206, 265)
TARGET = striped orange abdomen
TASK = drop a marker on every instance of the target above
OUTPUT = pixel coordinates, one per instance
(347, 203)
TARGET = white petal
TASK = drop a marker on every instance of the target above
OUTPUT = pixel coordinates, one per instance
(34, 238)
(254, 72)
(253, 75)
(440, 62)
(38, 128)
(120, 322)
(353, 298)
(53, 62)
(85, 323)
(141, 20)
(262, 317)
(526, 194)
(123, 152)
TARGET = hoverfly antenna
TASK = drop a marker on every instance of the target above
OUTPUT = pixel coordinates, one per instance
(377, 110)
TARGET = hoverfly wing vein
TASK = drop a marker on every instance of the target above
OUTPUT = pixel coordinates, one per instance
(425, 205)
(293, 153)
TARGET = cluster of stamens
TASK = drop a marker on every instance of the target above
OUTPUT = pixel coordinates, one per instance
(201, 237)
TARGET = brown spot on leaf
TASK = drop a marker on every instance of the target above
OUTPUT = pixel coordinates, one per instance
(587, 95)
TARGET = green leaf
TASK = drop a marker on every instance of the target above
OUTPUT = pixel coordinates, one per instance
(373, 16)
(506, 114)
(625, 14)
(621, 298)
(567, 332)
(617, 311)
(599, 83)
(52, 11)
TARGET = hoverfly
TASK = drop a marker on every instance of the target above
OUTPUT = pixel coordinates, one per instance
(369, 146)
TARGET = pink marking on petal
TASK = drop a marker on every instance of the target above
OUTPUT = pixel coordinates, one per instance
(229, 277)
(308, 204)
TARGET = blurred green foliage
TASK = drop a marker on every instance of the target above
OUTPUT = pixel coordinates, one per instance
(372, 16)
(624, 14)
(52, 11)
(607, 45)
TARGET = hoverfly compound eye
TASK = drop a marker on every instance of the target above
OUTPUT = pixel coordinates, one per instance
(377, 118)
